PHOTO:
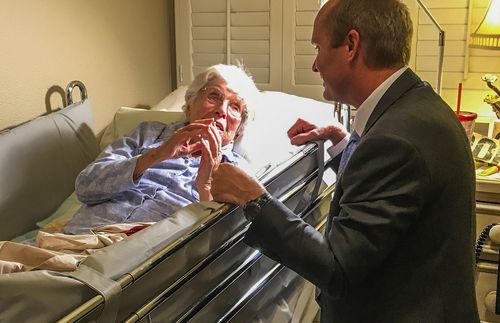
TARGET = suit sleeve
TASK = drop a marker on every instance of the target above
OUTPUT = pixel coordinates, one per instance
(383, 189)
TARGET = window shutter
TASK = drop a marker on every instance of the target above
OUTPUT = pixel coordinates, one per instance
(298, 53)
(229, 31)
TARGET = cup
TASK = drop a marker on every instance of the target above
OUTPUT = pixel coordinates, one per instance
(468, 120)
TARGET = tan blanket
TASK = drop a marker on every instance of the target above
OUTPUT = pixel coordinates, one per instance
(61, 252)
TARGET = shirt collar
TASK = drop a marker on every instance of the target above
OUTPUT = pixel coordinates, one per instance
(228, 155)
(366, 108)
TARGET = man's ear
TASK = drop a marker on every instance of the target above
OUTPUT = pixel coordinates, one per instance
(352, 40)
(187, 112)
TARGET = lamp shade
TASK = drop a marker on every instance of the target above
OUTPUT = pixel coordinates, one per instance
(487, 35)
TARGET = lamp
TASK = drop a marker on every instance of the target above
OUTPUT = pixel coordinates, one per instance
(487, 35)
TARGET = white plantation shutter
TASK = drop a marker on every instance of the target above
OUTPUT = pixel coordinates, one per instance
(208, 33)
(225, 31)
(298, 53)
(272, 38)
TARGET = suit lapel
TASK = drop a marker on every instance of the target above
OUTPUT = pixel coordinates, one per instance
(403, 84)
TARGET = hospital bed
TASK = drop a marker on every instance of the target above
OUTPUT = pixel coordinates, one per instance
(192, 266)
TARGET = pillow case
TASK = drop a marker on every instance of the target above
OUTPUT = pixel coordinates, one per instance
(173, 101)
(126, 119)
(265, 142)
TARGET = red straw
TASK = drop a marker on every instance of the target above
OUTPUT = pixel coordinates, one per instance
(459, 97)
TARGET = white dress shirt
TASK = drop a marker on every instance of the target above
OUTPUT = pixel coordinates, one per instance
(365, 110)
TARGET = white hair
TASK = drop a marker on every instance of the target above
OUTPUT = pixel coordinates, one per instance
(236, 78)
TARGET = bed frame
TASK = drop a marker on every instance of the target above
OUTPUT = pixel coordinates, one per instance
(192, 267)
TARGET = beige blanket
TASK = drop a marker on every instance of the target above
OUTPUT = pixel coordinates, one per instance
(61, 252)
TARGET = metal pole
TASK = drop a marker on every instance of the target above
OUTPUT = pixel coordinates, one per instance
(440, 43)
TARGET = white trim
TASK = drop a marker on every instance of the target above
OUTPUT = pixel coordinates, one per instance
(275, 52)
(228, 32)
(288, 45)
(183, 42)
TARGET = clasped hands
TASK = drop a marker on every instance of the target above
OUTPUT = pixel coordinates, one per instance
(232, 184)
(201, 137)
(224, 182)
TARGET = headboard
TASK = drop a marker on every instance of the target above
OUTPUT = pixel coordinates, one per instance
(39, 161)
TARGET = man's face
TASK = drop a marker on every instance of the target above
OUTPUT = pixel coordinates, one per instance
(330, 63)
(217, 101)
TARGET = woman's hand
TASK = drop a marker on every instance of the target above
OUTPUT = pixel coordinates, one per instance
(210, 159)
(183, 142)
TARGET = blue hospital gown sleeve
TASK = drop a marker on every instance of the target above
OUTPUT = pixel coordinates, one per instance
(112, 172)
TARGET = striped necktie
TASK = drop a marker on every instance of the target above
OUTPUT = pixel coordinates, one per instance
(348, 150)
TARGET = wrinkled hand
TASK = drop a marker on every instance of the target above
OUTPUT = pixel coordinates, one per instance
(211, 145)
(183, 142)
(231, 184)
(303, 131)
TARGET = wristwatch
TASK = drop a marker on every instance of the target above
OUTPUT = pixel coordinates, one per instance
(253, 207)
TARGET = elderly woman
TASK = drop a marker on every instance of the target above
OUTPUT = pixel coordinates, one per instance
(160, 168)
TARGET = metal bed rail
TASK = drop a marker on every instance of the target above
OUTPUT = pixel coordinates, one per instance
(256, 288)
(152, 304)
(143, 268)
(246, 265)
(129, 278)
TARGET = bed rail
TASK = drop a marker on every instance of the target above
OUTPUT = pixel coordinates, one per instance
(45, 154)
(69, 91)
(66, 96)
(246, 264)
(256, 288)
(128, 279)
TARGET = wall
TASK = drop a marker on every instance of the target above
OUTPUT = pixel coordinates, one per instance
(461, 64)
(120, 49)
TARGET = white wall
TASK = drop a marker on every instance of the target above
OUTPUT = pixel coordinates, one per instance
(453, 15)
(120, 49)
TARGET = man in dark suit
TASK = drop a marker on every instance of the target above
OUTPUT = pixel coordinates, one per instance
(398, 246)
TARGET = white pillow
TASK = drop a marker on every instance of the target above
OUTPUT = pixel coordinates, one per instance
(172, 102)
(265, 142)
(126, 119)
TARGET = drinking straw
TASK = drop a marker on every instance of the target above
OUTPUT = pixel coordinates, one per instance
(459, 99)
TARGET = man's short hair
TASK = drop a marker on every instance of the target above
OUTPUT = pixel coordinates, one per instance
(385, 28)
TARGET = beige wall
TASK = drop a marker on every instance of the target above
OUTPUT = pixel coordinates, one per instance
(120, 49)
(461, 64)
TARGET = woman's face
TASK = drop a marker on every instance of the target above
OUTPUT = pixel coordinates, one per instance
(219, 102)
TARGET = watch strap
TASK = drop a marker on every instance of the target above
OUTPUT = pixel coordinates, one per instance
(253, 207)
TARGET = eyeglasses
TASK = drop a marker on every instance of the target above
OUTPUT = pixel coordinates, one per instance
(216, 98)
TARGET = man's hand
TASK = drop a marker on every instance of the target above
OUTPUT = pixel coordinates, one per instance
(231, 184)
(302, 132)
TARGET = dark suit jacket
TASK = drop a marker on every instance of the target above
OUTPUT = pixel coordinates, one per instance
(399, 241)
